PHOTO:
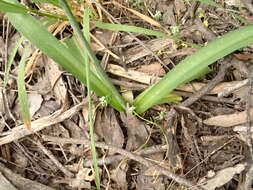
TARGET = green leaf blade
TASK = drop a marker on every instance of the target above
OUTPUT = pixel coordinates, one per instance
(193, 64)
(22, 95)
(10, 7)
(38, 35)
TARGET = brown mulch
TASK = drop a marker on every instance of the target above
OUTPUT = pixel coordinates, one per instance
(201, 142)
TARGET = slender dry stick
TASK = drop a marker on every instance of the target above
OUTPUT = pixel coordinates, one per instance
(54, 160)
(20, 131)
(115, 158)
(133, 156)
(86, 21)
(219, 77)
(249, 176)
(205, 89)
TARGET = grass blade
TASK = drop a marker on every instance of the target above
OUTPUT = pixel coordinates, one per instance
(86, 21)
(127, 28)
(11, 60)
(14, 7)
(98, 69)
(10, 7)
(193, 64)
(22, 95)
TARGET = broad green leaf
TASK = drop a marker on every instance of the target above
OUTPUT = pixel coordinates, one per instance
(38, 35)
(193, 64)
(170, 98)
(48, 21)
(98, 70)
(10, 7)
(201, 73)
(22, 95)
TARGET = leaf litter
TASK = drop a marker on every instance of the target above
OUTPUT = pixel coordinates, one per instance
(199, 140)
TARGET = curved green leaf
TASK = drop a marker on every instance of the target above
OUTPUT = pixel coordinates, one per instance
(193, 64)
(22, 95)
(38, 35)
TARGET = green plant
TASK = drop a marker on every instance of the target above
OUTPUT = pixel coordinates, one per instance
(46, 42)
(188, 69)
(22, 95)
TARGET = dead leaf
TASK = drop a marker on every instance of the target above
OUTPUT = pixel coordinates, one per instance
(42, 87)
(85, 112)
(234, 3)
(131, 74)
(119, 176)
(136, 131)
(79, 181)
(242, 95)
(5, 183)
(59, 90)
(74, 130)
(35, 101)
(83, 177)
(57, 130)
(21, 183)
(153, 172)
(169, 16)
(47, 108)
(222, 177)
(243, 132)
(229, 120)
(149, 182)
(180, 6)
(242, 56)
(104, 36)
(108, 128)
(2, 108)
(154, 68)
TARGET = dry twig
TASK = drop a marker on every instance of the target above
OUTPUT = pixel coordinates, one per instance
(127, 154)
(54, 160)
(39, 124)
(249, 174)
(115, 158)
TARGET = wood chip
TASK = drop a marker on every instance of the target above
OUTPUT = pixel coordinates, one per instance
(229, 120)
